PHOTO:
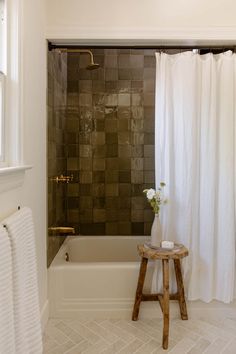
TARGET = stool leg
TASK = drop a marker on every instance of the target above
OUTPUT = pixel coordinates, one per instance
(165, 269)
(139, 291)
(180, 286)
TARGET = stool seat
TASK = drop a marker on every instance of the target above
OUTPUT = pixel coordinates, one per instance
(178, 252)
(147, 252)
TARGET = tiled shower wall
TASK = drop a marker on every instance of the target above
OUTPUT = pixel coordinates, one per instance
(57, 163)
(110, 141)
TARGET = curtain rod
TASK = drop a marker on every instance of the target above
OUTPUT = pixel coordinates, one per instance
(158, 47)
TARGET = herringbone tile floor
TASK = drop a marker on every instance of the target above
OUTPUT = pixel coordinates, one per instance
(143, 337)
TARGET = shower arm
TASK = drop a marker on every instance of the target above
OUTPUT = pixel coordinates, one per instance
(72, 50)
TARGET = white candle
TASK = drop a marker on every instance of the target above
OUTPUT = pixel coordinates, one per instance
(167, 244)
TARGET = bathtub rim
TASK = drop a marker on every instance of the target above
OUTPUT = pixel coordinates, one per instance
(59, 259)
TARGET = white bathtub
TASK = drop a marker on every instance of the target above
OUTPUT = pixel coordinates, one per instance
(100, 278)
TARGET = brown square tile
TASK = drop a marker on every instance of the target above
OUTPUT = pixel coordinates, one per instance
(112, 150)
(124, 86)
(111, 204)
(137, 215)
(99, 215)
(137, 177)
(124, 99)
(137, 228)
(149, 177)
(112, 215)
(137, 151)
(124, 125)
(85, 150)
(149, 138)
(98, 189)
(124, 163)
(137, 73)
(149, 163)
(99, 203)
(124, 151)
(124, 215)
(98, 138)
(137, 138)
(137, 125)
(123, 138)
(85, 163)
(112, 190)
(124, 189)
(124, 74)
(136, 61)
(85, 202)
(148, 215)
(124, 112)
(137, 112)
(111, 125)
(99, 125)
(98, 176)
(111, 86)
(99, 151)
(84, 138)
(112, 164)
(124, 202)
(111, 138)
(148, 150)
(124, 228)
(86, 216)
(111, 74)
(110, 61)
(137, 164)
(98, 164)
(73, 190)
(124, 60)
(85, 86)
(85, 177)
(85, 189)
(98, 86)
(124, 176)
(149, 61)
(111, 176)
(111, 228)
(85, 99)
(137, 190)
(111, 100)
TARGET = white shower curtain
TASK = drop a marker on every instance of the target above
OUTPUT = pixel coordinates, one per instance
(195, 157)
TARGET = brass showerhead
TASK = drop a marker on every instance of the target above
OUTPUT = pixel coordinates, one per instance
(91, 66)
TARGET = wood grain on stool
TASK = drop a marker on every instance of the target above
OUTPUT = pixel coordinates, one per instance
(165, 255)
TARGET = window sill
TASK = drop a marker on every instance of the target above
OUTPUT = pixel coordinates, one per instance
(12, 177)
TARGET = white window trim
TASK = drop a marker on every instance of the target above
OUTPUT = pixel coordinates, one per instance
(12, 173)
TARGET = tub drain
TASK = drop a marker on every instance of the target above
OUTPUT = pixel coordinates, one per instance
(67, 257)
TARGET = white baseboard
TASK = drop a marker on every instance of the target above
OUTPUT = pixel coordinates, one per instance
(111, 308)
(44, 314)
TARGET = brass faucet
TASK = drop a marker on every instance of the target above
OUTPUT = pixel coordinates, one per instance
(62, 179)
(61, 230)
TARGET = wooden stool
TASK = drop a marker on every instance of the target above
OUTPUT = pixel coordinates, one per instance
(176, 254)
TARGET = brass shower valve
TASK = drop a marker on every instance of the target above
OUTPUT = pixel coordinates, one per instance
(62, 179)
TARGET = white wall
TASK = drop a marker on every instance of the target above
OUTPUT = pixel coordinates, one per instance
(33, 192)
(70, 18)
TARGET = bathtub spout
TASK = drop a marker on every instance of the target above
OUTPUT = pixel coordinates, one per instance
(61, 231)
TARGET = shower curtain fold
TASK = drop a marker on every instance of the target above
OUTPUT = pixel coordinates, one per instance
(195, 157)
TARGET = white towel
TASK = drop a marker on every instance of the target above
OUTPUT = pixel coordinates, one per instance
(25, 286)
(7, 333)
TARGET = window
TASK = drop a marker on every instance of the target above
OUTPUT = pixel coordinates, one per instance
(2, 81)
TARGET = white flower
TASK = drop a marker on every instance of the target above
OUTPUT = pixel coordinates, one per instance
(151, 193)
